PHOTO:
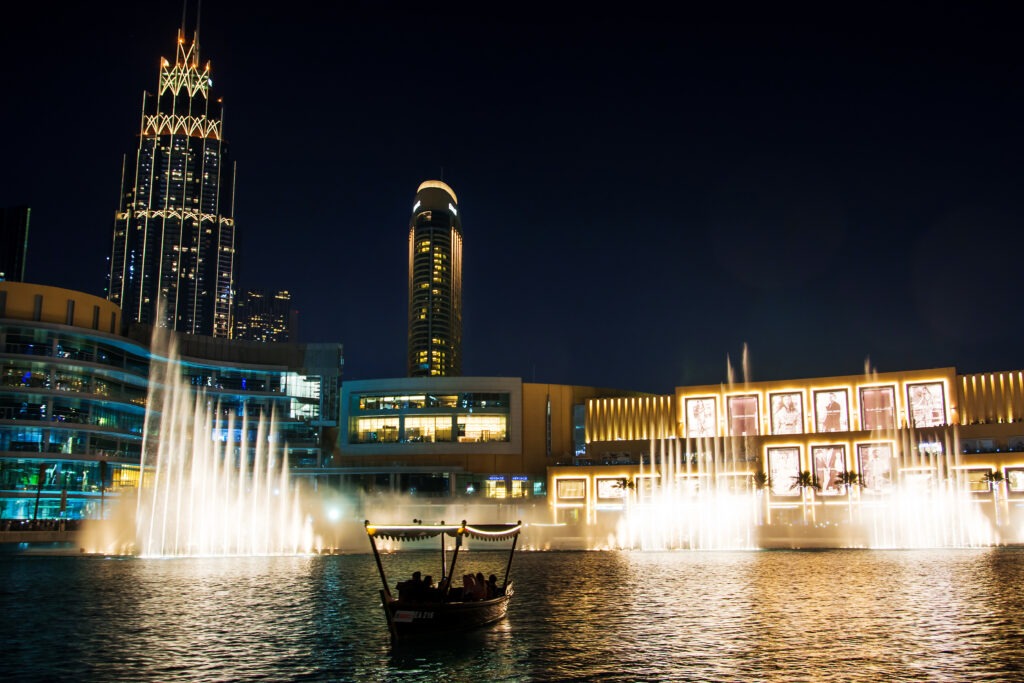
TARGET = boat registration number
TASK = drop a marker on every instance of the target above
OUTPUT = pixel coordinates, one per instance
(405, 616)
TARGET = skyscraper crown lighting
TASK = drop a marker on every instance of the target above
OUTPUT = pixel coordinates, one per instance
(174, 234)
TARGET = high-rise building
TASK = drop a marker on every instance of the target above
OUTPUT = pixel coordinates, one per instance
(174, 234)
(435, 282)
(14, 243)
(264, 316)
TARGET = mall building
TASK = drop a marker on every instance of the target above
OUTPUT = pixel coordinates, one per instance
(487, 438)
(74, 391)
(890, 429)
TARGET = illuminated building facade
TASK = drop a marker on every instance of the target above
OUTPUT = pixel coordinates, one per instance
(14, 242)
(263, 316)
(174, 235)
(487, 438)
(920, 428)
(435, 283)
(74, 391)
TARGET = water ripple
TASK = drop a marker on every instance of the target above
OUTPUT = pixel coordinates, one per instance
(676, 616)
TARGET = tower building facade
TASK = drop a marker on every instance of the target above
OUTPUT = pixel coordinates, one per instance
(435, 282)
(172, 258)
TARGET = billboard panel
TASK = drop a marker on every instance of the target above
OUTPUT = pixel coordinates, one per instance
(700, 417)
(875, 463)
(787, 412)
(878, 407)
(926, 404)
(743, 416)
(831, 410)
(784, 468)
(829, 462)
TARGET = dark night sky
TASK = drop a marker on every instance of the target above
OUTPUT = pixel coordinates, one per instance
(642, 194)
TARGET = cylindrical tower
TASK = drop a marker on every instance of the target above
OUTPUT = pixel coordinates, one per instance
(435, 282)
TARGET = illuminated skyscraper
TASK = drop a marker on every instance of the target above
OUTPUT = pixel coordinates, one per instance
(435, 282)
(174, 235)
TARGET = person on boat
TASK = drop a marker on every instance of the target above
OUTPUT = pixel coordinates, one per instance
(429, 591)
(468, 587)
(492, 587)
(411, 589)
(481, 586)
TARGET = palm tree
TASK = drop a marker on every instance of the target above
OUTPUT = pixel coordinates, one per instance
(762, 483)
(805, 481)
(994, 478)
(850, 479)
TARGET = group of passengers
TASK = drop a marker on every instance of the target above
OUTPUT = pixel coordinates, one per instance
(474, 587)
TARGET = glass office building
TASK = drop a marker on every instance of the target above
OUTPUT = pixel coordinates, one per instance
(74, 392)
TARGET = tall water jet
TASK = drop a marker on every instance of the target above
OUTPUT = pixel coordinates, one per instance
(211, 484)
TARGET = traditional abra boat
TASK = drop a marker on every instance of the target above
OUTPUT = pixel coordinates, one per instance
(418, 611)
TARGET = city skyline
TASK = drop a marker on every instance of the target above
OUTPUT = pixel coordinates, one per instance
(823, 191)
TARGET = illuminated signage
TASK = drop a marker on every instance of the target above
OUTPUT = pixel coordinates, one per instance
(416, 206)
(496, 477)
(520, 477)
(455, 212)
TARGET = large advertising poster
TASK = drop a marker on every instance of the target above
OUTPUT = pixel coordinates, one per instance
(743, 416)
(611, 488)
(787, 413)
(875, 460)
(926, 404)
(831, 410)
(700, 417)
(572, 489)
(783, 469)
(829, 462)
(877, 405)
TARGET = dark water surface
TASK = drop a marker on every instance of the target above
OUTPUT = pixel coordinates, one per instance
(844, 615)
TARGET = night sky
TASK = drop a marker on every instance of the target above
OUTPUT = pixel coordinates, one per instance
(642, 194)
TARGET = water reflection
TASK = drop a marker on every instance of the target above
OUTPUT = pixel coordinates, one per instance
(701, 616)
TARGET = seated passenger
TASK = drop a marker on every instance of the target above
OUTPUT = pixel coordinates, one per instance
(493, 590)
(468, 587)
(481, 586)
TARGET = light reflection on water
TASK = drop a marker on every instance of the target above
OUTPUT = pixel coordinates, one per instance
(674, 616)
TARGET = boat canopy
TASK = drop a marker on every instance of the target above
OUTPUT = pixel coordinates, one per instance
(416, 532)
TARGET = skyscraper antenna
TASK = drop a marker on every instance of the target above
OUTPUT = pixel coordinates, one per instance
(184, 11)
(199, 15)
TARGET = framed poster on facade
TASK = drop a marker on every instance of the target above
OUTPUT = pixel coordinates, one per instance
(926, 404)
(611, 489)
(787, 412)
(572, 489)
(701, 417)
(875, 463)
(783, 469)
(831, 410)
(829, 463)
(878, 407)
(743, 416)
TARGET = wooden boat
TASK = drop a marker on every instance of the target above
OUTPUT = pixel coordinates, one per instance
(441, 611)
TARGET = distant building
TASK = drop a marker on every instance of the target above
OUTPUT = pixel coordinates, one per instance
(265, 317)
(435, 283)
(14, 243)
(174, 234)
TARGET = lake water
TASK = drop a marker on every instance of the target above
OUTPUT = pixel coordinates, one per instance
(838, 615)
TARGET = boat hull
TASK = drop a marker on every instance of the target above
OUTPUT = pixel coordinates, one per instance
(417, 619)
